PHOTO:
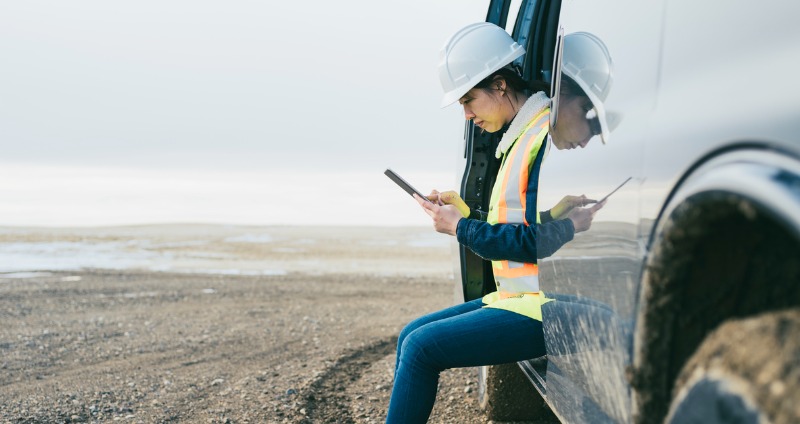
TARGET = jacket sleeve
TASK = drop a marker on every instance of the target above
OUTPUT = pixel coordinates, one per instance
(514, 242)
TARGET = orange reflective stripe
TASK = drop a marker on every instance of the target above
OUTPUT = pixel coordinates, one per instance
(523, 177)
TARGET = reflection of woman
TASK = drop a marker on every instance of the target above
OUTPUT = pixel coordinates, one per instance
(504, 326)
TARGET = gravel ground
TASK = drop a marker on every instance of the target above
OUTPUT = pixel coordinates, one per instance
(311, 340)
(96, 346)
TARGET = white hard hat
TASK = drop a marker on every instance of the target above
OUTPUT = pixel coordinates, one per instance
(587, 62)
(472, 54)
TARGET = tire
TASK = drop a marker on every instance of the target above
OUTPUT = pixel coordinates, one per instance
(506, 394)
(746, 371)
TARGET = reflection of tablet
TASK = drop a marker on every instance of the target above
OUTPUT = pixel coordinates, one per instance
(403, 184)
(615, 190)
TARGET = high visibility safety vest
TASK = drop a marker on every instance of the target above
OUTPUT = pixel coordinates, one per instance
(518, 283)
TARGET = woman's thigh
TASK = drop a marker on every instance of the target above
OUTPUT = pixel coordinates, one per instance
(445, 313)
(484, 336)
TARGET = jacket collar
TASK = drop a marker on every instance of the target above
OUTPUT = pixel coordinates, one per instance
(526, 113)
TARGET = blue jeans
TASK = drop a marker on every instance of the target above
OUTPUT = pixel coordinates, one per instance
(464, 335)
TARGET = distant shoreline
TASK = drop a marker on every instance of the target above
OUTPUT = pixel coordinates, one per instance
(227, 249)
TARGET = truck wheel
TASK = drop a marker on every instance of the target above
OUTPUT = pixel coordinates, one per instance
(746, 371)
(505, 394)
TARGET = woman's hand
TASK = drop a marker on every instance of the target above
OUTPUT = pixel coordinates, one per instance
(582, 217)
(565, 205)
(445, 217)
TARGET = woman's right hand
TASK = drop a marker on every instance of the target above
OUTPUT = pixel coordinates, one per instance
(582, 217)
(445, 217)
(567, 204)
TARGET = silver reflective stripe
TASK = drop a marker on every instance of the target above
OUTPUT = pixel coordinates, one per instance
(514, 215)
(513, 201)
(526, 284)
(512, 264)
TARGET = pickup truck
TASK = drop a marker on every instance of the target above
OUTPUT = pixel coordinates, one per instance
(682, 301)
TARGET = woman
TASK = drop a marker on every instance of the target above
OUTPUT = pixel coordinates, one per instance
(504, 326)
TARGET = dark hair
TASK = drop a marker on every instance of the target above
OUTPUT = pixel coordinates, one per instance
(570, 88)
(512, 77)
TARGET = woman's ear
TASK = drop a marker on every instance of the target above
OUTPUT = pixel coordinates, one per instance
(501, 87)
(499, 84)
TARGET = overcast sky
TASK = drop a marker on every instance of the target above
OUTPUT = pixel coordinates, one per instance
(208, 110)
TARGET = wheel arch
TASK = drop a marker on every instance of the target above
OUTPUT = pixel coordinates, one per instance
(725, 245)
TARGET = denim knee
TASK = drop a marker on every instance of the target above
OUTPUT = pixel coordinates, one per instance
(401, 339)
(404, 334)
(418, 352)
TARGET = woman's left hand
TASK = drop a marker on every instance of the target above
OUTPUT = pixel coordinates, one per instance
(565, 205)
(445, 217)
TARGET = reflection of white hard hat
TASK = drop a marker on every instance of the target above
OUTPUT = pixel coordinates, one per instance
(587, 62)
(472, 54)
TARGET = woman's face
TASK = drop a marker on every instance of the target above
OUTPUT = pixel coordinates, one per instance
(572, 128)
(485, 108)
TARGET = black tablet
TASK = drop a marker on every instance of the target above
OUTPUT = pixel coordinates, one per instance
(403, 184)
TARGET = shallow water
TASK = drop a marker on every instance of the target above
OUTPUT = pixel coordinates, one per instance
(224, 250)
